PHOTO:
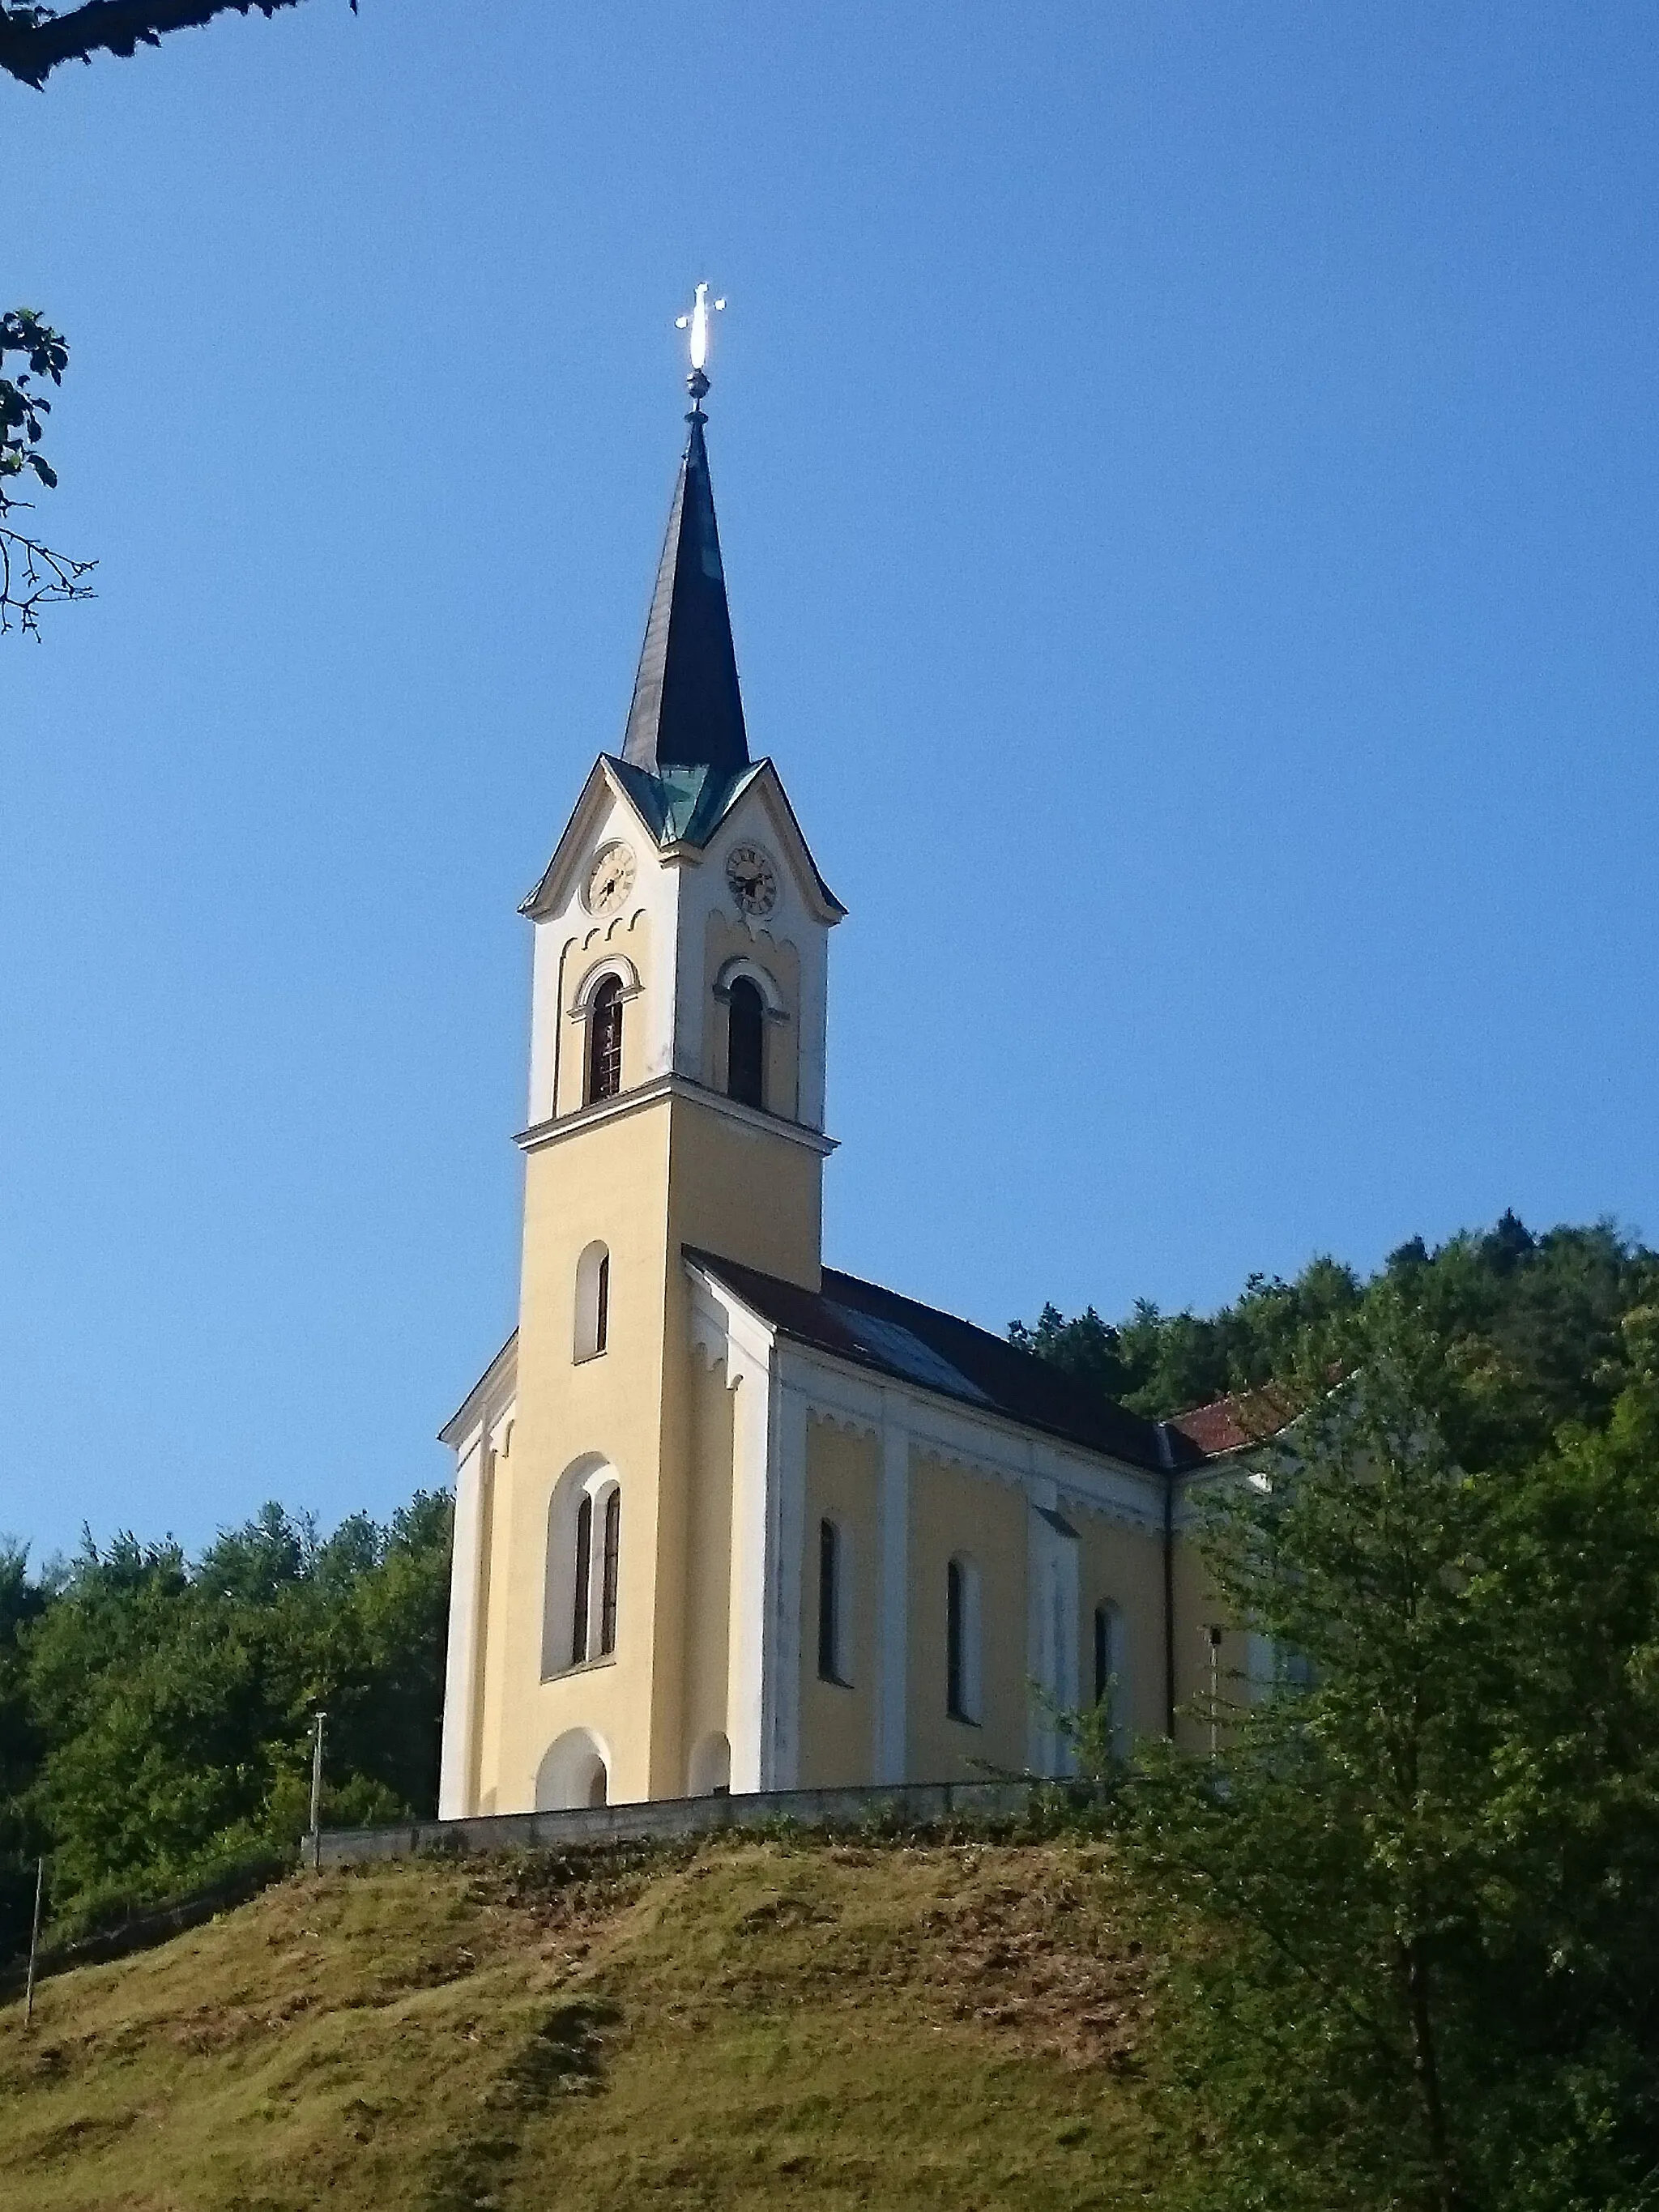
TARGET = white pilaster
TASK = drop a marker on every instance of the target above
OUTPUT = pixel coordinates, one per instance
(893, 1591)
(1051, 1628)
(464, 1663)
(746, 1687)
(781, 1661)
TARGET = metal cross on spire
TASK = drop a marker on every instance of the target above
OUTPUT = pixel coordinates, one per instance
(695, 325)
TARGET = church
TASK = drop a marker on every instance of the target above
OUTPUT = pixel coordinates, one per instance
(728, 1519)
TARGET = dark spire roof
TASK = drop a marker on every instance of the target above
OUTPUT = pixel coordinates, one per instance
(687, 710)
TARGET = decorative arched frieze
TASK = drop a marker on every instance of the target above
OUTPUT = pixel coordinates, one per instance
(840, 1417)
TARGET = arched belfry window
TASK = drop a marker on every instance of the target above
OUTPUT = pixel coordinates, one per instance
(592, 1301)
(604, 1036)
(745, 1051)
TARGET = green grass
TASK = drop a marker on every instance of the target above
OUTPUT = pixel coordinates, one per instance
(770, 2023)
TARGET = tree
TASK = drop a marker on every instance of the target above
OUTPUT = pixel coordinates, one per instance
(172, 1703)
(32, 575)
(22, 1601)
(1534, 1321)
(1416, 1898)
(35, 41)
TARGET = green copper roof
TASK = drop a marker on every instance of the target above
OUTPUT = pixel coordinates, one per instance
(684, 806)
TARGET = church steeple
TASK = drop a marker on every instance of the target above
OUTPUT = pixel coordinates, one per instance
(687, 711)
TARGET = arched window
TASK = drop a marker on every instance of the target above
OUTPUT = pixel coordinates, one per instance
(604, 1029)
(835, 1626)
(1111, 1688)
(584, 1576)
(592, 1301)
(609, 1564)
(746, 1049)
(583, 1560)
(962, 1676)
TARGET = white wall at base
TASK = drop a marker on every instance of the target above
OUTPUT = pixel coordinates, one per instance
(749, 1371)
(456, 1755)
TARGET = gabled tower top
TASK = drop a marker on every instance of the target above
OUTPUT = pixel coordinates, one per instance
(687, 710)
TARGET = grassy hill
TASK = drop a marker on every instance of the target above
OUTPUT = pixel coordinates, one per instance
(775, 2023)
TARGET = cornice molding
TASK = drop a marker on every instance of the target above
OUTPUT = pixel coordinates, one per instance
(543, 1133)
(982, 1442)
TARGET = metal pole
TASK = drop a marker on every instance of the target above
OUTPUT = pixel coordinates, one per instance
(1214, 1635)
(35, 1940)
(317, 1718)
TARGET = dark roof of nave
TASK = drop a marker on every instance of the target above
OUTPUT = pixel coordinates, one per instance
(687, 710)
(873, 1328)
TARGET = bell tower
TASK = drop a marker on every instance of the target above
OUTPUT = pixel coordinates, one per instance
(676, 1102)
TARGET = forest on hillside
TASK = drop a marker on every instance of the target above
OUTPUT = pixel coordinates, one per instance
(1411, 1917)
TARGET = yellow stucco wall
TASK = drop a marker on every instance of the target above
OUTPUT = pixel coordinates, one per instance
(951, 1510)
(610, 1183)
(838, 1720)
(645, 1182)
(1196, 1608)
(1123, 1567)
(747, 1192)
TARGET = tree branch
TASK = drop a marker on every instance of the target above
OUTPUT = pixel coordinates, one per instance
(32, 42)
(33, 576)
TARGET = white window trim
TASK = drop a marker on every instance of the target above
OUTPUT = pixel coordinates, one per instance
(771, 997)
(612, 964)
(591, 1262)
(594, 1478)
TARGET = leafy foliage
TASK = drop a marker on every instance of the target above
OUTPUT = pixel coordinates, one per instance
(162, 1710)
(1415, 1902)
(32, 575)
(1537, 1320)
(35, 40)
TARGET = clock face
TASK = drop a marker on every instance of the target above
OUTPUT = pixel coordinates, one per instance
(610, 880)
(751, 879)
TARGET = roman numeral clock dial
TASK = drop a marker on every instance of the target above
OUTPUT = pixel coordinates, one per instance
(751, 879)
(610, 880)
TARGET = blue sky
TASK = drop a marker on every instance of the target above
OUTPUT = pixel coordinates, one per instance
(1187, 479)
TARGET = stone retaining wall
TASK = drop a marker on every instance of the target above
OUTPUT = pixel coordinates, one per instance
(912, 1804)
